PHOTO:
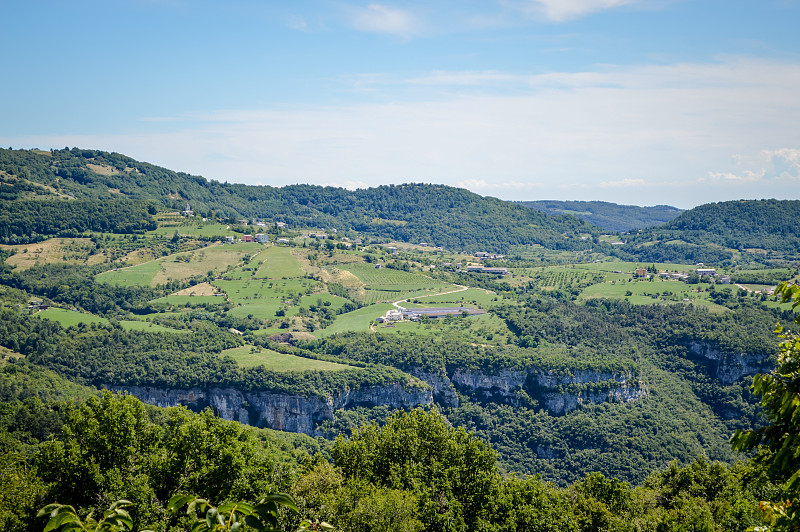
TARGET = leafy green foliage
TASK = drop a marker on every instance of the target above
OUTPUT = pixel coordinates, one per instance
(778, 442)
(708, 233)
(451, 470)
(75, 285)
(25, 221)
(233, 516)
(64, 517)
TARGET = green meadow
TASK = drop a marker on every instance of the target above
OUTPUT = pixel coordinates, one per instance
(251, 356)
(68, 318)
(470, 296)
(642, 292)
(357, 320)
(180, 266)
(146, 326)
(278, 263)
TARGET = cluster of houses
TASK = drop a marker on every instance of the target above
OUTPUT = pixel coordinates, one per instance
(487, 256)
(416, 314)
(261, 238)
(245, 222)
(710, 273)
(485, 269)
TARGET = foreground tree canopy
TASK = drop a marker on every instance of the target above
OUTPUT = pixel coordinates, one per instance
(778, 443)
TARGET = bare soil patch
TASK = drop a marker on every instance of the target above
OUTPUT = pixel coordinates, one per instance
(102, 169)
(202, 289)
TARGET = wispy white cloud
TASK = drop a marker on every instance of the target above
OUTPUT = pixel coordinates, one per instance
(782, 164)
(478, 185)
(296, 22)
(379, 18)
(562, 10)
(623, 183)
(637, 135)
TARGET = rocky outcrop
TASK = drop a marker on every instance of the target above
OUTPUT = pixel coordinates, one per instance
(501, 384)
(559, 393)
(730, 367)
(293, 413)
(443, 391)
(563, 402)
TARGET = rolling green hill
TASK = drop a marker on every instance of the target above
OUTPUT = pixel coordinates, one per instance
(445, 216)
(727, 232)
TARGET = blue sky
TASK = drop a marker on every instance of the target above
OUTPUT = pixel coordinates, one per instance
(643, 102)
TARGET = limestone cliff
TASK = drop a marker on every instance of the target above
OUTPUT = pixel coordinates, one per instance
(294, 413)
(558, 392)
(730, 367)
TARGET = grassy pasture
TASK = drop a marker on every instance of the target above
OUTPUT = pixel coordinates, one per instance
(274, 263)
(189, 301)
(470, 296)
(278, 262)
(141, 275)
(358, 320)
(246, 290)
(336, 302)
(146, 326)
(53, 250)
(649, 293)
(199, 230)
(249, 357)
(262, 309)
(262, 298)
(68, 318)
(179, 266)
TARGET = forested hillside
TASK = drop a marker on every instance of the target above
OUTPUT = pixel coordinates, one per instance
(609, 216)
(763, 230)
(440, 215)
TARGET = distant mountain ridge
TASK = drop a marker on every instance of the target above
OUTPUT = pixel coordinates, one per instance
(609, 216)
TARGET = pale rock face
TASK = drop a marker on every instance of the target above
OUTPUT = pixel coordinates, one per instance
(730, 367)
(504, 383)
(443, 391)
(293, 413)
(541, 384)
(561, 403)
(297, 413)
